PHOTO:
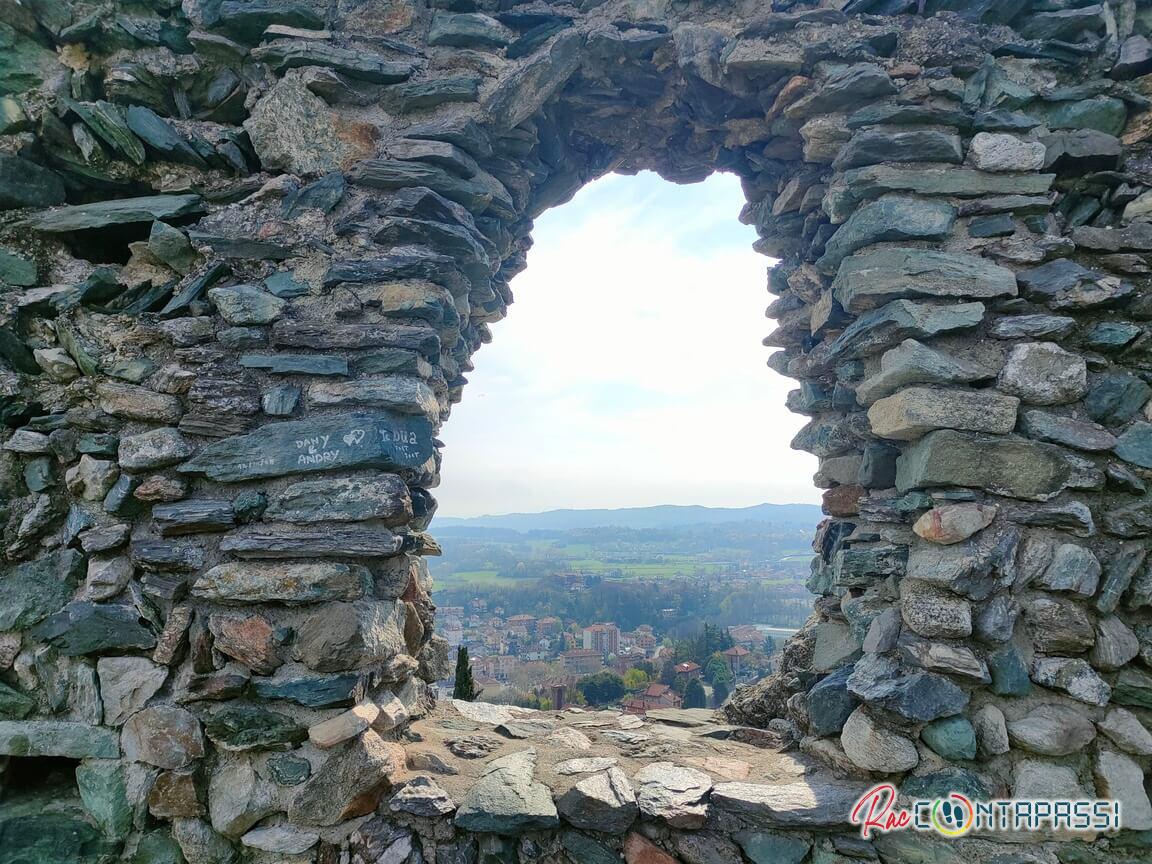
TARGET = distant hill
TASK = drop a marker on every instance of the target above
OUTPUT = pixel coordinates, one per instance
(661, 516)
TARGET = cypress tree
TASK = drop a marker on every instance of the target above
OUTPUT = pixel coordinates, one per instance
(465, 685)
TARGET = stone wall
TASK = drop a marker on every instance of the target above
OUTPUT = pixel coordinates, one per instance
(248, 249)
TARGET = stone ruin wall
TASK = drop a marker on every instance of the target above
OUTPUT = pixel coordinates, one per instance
(247, 251)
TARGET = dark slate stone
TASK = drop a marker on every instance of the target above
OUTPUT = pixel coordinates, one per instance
(878, 467)
(324, 194)
(194, 290)
(13, 349)
(1110, 336)
(193, 517)
(247, 20)
(1009, 673)
(16, 269)
(1064, 284)
(410, 264)
(280, 401)
(902, 114)
(1135, 445)
(861, 566)
(389, 174)
(162, 137)
(240, 727)
(26, 184)
(94, 628)
(242, 248)
(1054, 327)
(420, 95)
(919, 696)
(536, 37)
(1001, 225)
(1082, 151)
(122, 211)
(847, 88)
(324, 337)
(325, 443)
(106, 121)
(359, 64)
(296, 364)
(940, 784)
(1068, 431)
(1132, 520)
(464, 132)
(60, 835)
(916, 145)
(1113, 398)
(32, 591)
(289, 770)
(284, 286)
(894, 322)
(895, 217)
(311, 691)
(342, 542)
(830, 703)
(1122, 567)
(470, 30)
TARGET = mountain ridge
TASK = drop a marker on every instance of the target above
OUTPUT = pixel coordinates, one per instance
(656, 516)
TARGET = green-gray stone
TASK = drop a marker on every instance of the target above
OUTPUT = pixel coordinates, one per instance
(47, 836)
(246, 305)
(891, 324)
(26, 184)
(91, 628)
(171, 246)
(1114, 397)
(289, 770)
(108, 123)
(105, 797)
(123, 211)
(296, 364)
(938, 784)
(322, 444)
(163, 137)
(913, 847)
(1133, 687)
(952, 738)
(418, 95)
(471, 30)
(16, 269)
(1009, 674)
(283, 285)
(240, 727)
(766, 847)
(14, 704)
(311, 691)
(157, 848)
(586, 850)
(1135, 445)
(1103, 113)
(893, 218)
(1014, 467)
(248, 19)
(58, 738)
(32, 591)
(280, 401)
(40, 474)
(359, 64)
(875, 180)
(871, 279)
(1111, 335)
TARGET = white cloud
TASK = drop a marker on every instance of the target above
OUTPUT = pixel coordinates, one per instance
(629, 370)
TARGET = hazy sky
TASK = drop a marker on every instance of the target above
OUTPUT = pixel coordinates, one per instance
(629, 371)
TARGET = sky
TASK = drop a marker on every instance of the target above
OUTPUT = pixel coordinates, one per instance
(629, 371)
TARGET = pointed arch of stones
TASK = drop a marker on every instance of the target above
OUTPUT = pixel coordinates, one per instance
(219, 456)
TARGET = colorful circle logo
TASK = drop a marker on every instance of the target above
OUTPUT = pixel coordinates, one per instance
(953, 816)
